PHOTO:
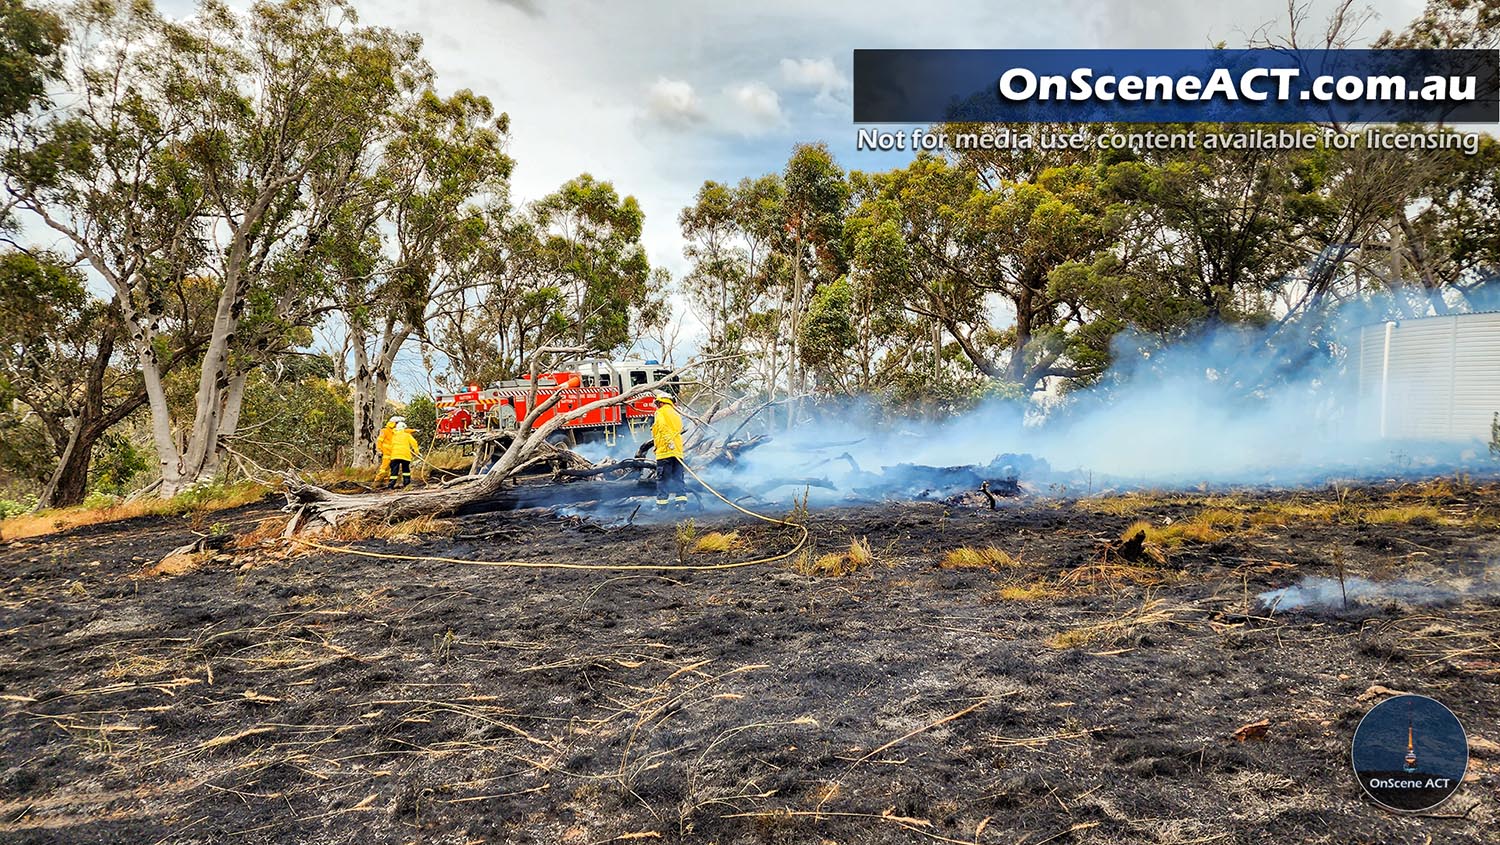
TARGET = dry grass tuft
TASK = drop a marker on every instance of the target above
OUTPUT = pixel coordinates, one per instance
(178, 564)
(836, 564)
(264, 531)
(719, 542)
(860, 554)
(968, 557)
(1126, 505)
(1029, 591)
(364, 529)
(1115, 574)
(1404, 515)
(1151, 612)
(1207, 526)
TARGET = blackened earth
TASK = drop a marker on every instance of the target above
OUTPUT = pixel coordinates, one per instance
(270, 696)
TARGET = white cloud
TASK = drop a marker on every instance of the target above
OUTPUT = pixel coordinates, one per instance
(673, 102)
(820, 76)
(759, 106)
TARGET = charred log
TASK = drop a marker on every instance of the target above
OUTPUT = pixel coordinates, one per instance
(630, 464)
(730, 453)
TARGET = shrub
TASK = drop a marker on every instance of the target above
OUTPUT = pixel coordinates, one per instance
(117, 461)
(12, 507)
(99, 499)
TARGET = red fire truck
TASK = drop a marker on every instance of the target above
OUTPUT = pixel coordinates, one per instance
(469, 415)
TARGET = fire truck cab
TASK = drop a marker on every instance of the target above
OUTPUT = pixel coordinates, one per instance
(472, 415)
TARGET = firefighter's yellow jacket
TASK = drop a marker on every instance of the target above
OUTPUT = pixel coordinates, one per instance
(403, 446)
(667, 431)
(383, 442)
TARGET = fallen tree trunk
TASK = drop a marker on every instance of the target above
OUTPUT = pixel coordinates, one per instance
(730, 453)
(551, 495)
(528, 447)
(601, 469)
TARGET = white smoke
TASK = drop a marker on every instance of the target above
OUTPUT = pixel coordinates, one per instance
(1320, 592)
(1232, 405)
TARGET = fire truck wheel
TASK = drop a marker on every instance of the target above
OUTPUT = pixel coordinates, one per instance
(563, 439)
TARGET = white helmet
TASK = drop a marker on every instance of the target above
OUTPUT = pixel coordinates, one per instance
(400, 425)
(663, 396)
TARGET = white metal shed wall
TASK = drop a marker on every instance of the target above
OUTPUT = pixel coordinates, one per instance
(1436, 378)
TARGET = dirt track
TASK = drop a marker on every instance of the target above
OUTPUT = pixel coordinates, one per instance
(332, 698)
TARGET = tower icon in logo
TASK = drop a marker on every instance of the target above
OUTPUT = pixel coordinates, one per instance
(1410, 765)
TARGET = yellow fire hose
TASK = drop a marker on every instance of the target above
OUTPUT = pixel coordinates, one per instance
(542, 564)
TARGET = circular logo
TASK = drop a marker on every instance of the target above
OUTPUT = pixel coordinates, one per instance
(1410, 753)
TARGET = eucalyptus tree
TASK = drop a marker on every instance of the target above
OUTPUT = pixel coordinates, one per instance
(956, 244)
(567, 269)
(30, 38)
(589, 249)
(813, 210)
(441, 178)
(211, 153)
(730, 234)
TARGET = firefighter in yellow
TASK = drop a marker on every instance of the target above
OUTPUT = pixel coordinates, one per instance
(383, 446)
(666, 430)
(404, 449)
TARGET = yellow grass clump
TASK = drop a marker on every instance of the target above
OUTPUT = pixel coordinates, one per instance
(362, 529)
(1126, 505)
(837, 564)
(968, 557)
(1404, 515)
(719, 542)
(1206, 526)
(1115, 574)
(1151, 612)
(1029, 591)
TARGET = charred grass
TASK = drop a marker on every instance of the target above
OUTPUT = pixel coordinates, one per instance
(950, 675)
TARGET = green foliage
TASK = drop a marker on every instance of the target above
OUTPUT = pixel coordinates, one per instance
(915, 394)
(30, 39)
(421, 418)
(828, 329)
(817, 199)
(58, 372)
(26, 458)
(214, 494)
(14, 507)
(294, 422)
(117, 461)
(589, 244)
(99, 499)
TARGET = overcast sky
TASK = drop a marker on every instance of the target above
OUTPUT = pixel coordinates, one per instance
(658, 96)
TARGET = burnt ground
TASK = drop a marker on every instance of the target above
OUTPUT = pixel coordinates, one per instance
(324, 697)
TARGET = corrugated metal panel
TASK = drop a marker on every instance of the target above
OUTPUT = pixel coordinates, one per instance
(1476, 371)
(1442, 380)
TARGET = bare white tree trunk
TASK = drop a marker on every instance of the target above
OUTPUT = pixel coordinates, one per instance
(371, 385)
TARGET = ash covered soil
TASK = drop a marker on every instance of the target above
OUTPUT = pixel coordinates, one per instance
(267, 695)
